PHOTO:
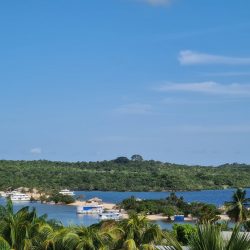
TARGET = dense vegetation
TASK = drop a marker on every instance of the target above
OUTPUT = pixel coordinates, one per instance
(58, 198)
(25, 230)
(121, 174)
(236, 209)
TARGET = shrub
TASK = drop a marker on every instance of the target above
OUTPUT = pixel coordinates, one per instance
(184, 232)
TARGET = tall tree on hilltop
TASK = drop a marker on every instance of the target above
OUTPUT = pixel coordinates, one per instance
(136, 158)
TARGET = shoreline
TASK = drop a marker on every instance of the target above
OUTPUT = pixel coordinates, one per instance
(151, 217)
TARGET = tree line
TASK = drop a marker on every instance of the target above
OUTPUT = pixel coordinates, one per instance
(121, 174)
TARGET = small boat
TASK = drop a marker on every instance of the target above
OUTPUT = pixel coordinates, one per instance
(67, 192)
(8, 194)
(19, 197)
(90, 209)
(2, 194)
(110, 216)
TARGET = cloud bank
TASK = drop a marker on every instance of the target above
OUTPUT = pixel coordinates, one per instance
(208, 87)
(189, 57)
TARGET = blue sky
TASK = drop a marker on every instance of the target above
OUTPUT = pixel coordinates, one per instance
(89, 80)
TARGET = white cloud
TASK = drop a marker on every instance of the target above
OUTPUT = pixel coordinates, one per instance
(156, 2)
(189, 57)
(209, 87)
(134, 109)
(199, 101)
(36, 151)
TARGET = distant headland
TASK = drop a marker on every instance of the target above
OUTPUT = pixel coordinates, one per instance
(121, 174)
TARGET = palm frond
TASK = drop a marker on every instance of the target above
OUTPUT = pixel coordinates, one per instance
(208, 237)
(129, 245)
(4, 245)
(238, 240)
(148, 247)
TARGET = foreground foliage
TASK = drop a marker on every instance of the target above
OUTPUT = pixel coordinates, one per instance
(209, 237)
(184, 232)
(24, 230)
(120, 175)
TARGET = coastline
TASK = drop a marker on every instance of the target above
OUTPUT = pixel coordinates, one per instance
(111, 204)
(151, 217)
(108, 206)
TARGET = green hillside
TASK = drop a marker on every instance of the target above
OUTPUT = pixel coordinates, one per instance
(121, 175)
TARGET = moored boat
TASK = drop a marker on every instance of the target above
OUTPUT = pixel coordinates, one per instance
(8, 194)
(19, 197)
(67, 192)
(110, 216)
(90, 209)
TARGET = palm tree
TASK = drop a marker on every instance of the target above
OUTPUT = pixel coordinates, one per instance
(13, 225)
(209, 237)
(4, 245)
(19, 229)
(140, 234)
(247, 226)
(81, 237)
(23, 230)
(49, 238)
(237, 207)
(101, 237)
(238, 240)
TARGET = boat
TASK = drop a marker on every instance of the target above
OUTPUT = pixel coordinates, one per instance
(67, 192)
(90, 209)
(110, 216)
(19, 197)
(8, 194)
(2, 194)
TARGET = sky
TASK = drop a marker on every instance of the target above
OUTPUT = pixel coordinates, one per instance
(89, 80)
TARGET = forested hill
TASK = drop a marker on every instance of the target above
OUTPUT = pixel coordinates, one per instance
(121, 175)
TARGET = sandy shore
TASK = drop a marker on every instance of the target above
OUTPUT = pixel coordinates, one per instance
(156, 217)
(164, 218)
(224, 217)
(151, 217)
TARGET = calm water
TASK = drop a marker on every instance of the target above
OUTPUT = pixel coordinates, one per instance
(217, 197)
(67, 214)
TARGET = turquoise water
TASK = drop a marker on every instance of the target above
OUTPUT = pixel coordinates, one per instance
(67, 214)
